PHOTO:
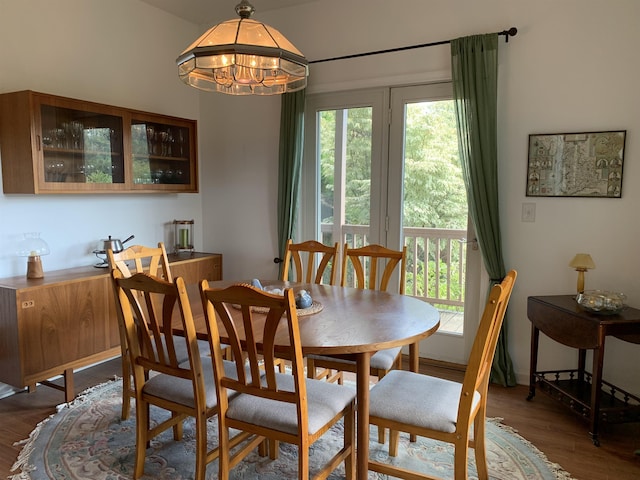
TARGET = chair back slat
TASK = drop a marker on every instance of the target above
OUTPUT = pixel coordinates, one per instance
(152, 260)
(371, 259)
(304, 256)
(484, 346)
(266, 320)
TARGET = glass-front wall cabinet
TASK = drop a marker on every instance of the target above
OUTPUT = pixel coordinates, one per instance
(81, 146)
(51, 144)
(161, 153)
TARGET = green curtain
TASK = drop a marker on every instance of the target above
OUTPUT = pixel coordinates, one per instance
(290, 165)
(474, 68)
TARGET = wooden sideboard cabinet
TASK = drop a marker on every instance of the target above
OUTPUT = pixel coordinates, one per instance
(67, 320)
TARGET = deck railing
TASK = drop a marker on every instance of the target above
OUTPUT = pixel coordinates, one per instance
(435, 269)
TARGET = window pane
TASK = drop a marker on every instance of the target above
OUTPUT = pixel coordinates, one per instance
(434, 192)
(327, 148)
(344, 147)
(358, 163)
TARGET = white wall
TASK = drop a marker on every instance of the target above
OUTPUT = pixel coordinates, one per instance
(240, 182)
(571, 67)
(121, 53)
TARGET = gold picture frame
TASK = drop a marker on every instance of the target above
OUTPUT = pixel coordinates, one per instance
(585, 164)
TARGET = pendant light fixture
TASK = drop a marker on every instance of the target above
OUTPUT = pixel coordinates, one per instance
(243, 57)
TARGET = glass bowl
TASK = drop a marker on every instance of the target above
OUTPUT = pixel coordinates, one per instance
(602, 302)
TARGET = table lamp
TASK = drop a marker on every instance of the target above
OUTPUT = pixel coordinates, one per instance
(582, 262)
(32, 247)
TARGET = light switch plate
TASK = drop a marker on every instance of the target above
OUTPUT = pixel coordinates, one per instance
(528, 212)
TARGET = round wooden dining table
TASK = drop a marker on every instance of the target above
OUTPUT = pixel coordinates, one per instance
(354, 323)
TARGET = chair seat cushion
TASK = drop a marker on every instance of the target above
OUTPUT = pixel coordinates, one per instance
(416, 399)
(382, 359)
(182, 353)
(180, 390)
(324, 401)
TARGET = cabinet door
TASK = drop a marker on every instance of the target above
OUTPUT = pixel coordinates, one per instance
(163, 151)
(54, 144)
(80, 147)
(66, 322)
(192, 271)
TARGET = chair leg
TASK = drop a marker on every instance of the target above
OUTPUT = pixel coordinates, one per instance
(227, 354)
(126, 395)
(350, 439)
(201, 447)
(479, 446)
(394, 437)
(224, 449)
(461, 453)
(142, 440)
(126, 381)
(303, 460)
(177, 428)
(311, 369)
(274, 449)
(263, 449)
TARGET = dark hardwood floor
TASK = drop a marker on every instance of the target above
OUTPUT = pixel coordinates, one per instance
(559, 433)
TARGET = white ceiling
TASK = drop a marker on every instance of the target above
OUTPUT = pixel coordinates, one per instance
(212, 11)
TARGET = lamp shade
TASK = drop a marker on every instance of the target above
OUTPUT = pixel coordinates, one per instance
(32, 246)
(243, 57)
(582, 261)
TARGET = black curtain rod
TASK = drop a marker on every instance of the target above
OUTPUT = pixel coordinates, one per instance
(507, 33)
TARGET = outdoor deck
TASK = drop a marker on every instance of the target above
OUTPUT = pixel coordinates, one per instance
(451, 322)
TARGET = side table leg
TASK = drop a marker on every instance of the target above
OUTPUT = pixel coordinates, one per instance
(582, 356)
(596, 389)
(533, 362)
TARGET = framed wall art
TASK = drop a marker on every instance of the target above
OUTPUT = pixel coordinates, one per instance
(585, 164)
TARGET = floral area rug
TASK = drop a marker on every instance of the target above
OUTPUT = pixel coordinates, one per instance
(87, 440)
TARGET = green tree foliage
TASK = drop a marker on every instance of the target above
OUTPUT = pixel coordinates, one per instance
(358, 164)
(358, 174)
(327, 122)
(434, 192)
(98, 166)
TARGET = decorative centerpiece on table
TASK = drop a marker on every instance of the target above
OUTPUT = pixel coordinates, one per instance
(305, 305)
(602, 302)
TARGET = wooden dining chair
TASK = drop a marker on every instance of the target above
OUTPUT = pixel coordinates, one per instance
(373, 267)
(154, 261)
(279, 407)
(304, 256)
(442, 409)
(148, 307)
(137, 259)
